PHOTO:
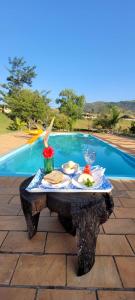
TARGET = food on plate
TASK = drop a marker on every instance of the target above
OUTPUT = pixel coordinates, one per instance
(71, 164)
(87, 170)
(86, 179)
(89, 183)
(54, 177)
(70, 167)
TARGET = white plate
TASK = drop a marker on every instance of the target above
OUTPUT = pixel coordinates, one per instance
(64, 183)
(97, 177)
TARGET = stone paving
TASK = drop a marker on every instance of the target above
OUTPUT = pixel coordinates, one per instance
(124, 143)
(44, 268)
(11, 141)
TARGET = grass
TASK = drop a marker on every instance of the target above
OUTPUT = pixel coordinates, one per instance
(79, 124)
(4, 123)
(86, 124)
(82, 124)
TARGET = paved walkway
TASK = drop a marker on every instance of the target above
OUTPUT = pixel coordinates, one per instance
(44, 268)
(11, 141)
(125, 143)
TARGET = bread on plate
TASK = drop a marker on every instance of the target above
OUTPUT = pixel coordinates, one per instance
(54, 177)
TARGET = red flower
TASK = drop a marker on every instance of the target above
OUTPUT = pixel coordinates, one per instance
(48, 152)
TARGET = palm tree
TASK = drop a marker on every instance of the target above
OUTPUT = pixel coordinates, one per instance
(110, 119)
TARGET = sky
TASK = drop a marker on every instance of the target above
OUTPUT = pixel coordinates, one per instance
(86, 45)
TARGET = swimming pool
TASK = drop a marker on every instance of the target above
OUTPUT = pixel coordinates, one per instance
(26, 160)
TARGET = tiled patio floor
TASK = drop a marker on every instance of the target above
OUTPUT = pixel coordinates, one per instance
(45, 267)
(125, 143)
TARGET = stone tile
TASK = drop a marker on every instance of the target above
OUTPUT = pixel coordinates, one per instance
(45, 212)
(127, 202)
(18, 181)
(101, 229)
(116, 201)
(113, 245)
(112, 216)
(7, 293)
(131, 194)
(119, 226)
(8, 209)
(4, 199)
(126, 266)
(130, 185)
(119, 185)
(12, 223)
(50, 224)
(7, 181)
(115, 193)
(119, 193)
(15, 200)
(131, 239)
(65, 295)
(9, 190)
(19, 242)
(21, 213)
(116, 295)
(103, 274)
(124, 212)
(11, 141)
(54, 214)
(7, 266)
(40, 270)
(60, 243)
(2, 236)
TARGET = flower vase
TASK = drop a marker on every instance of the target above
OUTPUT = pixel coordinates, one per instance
(48, 165)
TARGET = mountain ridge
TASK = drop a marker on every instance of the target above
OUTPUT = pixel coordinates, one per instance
(99, 106)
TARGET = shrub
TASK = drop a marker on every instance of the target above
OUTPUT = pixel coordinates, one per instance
(61, 122)
(17, 124)
(132, 128)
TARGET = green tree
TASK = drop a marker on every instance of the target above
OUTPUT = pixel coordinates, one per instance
(71, 104)
(110, 119)
(28, 105)
(19, 75)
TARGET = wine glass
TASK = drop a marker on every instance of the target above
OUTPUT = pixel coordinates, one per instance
(89, 156)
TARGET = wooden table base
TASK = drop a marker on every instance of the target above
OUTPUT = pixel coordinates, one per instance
(80, 213)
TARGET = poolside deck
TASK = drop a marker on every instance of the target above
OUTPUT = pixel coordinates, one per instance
(44, 268)
(11, 141)
(125, 143)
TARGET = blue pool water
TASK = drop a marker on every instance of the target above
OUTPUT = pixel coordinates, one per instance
(27, 160)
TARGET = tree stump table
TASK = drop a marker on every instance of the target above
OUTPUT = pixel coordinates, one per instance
(81, 214)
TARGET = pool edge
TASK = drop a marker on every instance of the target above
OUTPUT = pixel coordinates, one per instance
(25, 146)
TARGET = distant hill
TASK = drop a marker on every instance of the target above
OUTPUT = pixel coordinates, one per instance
(100, 106)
